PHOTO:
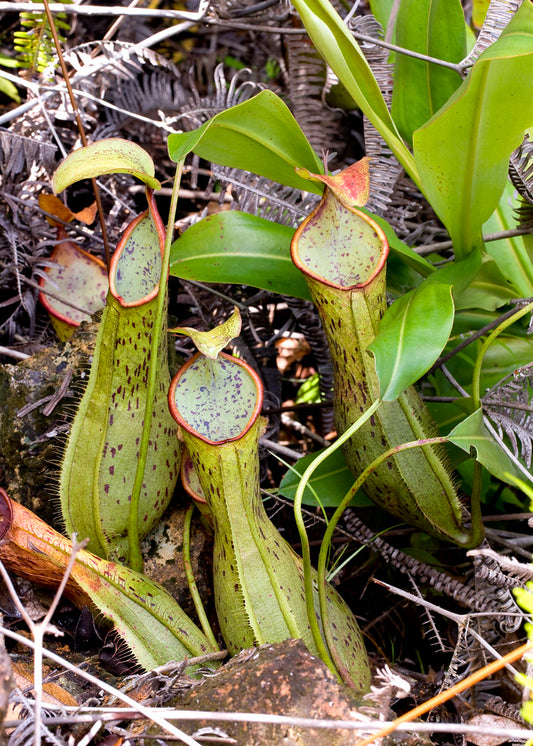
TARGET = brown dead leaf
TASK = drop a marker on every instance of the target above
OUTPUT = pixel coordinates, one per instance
(291, 350)
(53, 205)
(485, 722)
(53, 693)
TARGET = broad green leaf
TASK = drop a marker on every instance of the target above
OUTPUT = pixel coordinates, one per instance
(511, 254)
(339, 49)
(234, 247)
(412, 334)
(462, 153)
(111, 156)
(479, 11)
(381, 10)
(488, 290)
(401, 249)
(472, 433)
(435, 28)
(260, 135)
(416, 328)
(328, 485)
(458, 273)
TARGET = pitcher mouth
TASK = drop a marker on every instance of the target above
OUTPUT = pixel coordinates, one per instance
(339, 245)
(144, 268)
(216, 415)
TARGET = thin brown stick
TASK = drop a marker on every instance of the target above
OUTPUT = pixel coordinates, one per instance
(442, 697)
(80, 126)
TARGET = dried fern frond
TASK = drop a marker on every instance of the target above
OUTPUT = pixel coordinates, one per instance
(18, 154)
(251, 10)
(308, 84)
(120, 82)
(385, 170)
(268, 199)
(518, 572)
(460, 662)
(521, 169)
(498, 16)
(486, 569)
(509, 405)
(35, 44)
(521, 174)
(425, 574)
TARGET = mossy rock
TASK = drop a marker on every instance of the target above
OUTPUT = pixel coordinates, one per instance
(31, 441)
(281, 679)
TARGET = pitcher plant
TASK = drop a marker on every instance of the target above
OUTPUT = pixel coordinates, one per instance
(103, 449)
(342, 253)
(258, 578)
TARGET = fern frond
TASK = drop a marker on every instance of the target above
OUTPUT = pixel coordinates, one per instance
(521, 169)
(35, 44)
(309, 82)
(498, 16)
(509, 405)
(521, 174)
(385, 170)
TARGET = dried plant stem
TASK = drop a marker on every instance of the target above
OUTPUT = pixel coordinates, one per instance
(471, 338)
(431, 248)
(104, 10)
(147, 712)
(462, 620)
(80, 126)
(9, 352)
(442, 697)
(39, 630)
(510, 734)
(458, 67)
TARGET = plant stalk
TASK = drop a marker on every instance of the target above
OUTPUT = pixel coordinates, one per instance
(304, 539)
(193, 588)
(135, 559)
(476, 377)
